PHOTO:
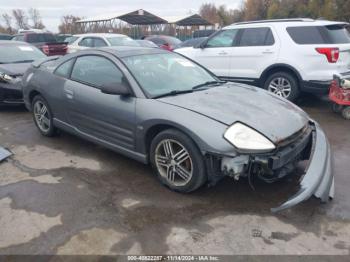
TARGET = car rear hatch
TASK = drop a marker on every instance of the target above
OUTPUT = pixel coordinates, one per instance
(52, 49)
(325, 47)
(47, 43)
(339, 36)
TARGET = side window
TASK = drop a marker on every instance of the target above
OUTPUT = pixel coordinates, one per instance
(98, 42)
(256, 37)
(65, 69)
(96, 71)
(306, 35)
(87, 42)
(224, 38)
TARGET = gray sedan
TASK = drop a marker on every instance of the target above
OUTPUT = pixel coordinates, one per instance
(161, 108)
(15, 59)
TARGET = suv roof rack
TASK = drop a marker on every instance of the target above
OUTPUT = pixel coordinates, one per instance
(276, 21)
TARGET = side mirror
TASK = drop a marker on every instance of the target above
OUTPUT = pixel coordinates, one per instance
(201, 45)
(121, 89)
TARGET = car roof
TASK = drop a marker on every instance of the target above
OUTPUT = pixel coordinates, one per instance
(286, 22)
(126, 51)
(160, 36)
(100, 35)
(10, 42)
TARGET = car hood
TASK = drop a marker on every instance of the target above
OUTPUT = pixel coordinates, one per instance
(14, 69)
(269, 114)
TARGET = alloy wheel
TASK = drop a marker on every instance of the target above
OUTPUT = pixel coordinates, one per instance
(280, 86)
(42, 116)
(173, 162)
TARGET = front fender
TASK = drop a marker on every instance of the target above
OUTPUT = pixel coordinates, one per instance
(205, 132)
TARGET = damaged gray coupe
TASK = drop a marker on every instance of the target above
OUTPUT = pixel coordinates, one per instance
(161, 108)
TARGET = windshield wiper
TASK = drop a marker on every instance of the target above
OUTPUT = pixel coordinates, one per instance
(21, 61)
(209, 83)
(174, 93)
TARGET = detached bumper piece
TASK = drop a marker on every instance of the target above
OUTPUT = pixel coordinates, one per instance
(4, 153)
(318, 179)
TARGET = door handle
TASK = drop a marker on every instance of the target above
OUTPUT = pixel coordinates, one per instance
(268, 51)
(223, 53)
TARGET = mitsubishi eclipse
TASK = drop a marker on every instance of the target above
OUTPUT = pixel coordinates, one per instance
(161, 108)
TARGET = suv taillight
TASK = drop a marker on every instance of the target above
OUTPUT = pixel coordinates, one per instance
(332, 54)
(46, 49)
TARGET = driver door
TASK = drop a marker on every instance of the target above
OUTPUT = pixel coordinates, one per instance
(218, 53)
(106, 117)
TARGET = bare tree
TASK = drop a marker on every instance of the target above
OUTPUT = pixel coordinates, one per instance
(20, 18)
(34, 16)
(8, 23)
(209, 12)
(69, 25)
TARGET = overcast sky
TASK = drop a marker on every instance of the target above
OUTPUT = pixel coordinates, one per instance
(52, 10)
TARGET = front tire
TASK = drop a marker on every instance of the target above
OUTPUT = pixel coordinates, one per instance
(43, 117)
(283, 84)
(177, 161)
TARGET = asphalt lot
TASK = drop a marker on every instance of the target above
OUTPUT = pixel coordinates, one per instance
(66, 196)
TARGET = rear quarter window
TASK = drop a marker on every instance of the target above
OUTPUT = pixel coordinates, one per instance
(65, 69)
(337, 34)
(308, 35)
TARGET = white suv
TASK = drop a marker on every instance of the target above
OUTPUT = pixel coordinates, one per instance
(284, 56)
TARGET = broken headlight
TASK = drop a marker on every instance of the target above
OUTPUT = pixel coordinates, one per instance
(5, 77)
(247, 139)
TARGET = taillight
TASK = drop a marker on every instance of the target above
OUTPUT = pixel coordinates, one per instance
(332, 54)
(45, 49)
(166, 46)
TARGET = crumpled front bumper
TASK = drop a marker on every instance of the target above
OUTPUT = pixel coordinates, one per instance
(318, 179)
(11, 93)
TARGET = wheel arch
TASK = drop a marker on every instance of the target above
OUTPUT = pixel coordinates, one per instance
(153, 130)
(33, 94)
(279, 68)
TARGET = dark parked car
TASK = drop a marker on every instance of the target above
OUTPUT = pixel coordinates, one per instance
(191, 42)
(161, 108)
(46, 42)
(165, 42)
(5, 37)
(15, 58)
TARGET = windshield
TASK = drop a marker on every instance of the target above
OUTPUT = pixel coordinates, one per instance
(70, 39)
(19, 53)
(41, 38)
(122, 41)
(160, 74)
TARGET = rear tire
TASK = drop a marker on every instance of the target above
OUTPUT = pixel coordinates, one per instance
(177, 161)
(337, 108)
(283, 84)
(346, 113)
(42, 116)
